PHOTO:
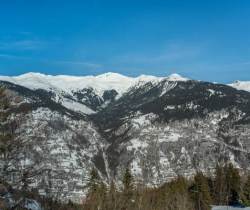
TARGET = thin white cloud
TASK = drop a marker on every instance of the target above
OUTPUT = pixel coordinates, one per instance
(88, 64)
(53, 62)
(26, 44)
(171, 53)
(9, 56)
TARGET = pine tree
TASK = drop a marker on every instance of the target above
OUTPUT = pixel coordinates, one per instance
(220, 186)
(96, 196)
(233, 183)
(94, 182)
(128, 189)
(177, 196)
(201, 193)
(246, 192)
(128, 183)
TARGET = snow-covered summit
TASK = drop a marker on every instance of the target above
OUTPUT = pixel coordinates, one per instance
(241, 85)
(99, 83)
(176, 77)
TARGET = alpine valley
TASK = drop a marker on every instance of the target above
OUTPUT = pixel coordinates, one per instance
(160, 127)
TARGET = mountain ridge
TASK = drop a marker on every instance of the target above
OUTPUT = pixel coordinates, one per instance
(159, 128)
(116, 80)
(109, 76)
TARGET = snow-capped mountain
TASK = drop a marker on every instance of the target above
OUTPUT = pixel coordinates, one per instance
(84, 94)
(100, 83)
(161, 127)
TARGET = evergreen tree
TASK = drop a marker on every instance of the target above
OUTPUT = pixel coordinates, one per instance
(219, 186)
(128, 189)
(93, 182)
(201, 193)
(233, 183)
(177, 197)
(128, 183)
(246, 192)
(96, 196)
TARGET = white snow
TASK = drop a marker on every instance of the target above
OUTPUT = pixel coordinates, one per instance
(136, 168)
(143, 120)
(241, 85)
(171, 107)
(63, 85)
(170, 137)
(77, 106)
(176, 77)
(136, 144)
(100, 83)
(32, 204)
(212, 92)
(228, 208)
(167, 87)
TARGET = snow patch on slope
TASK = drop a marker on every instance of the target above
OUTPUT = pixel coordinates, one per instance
(229, 208)
(75, 106)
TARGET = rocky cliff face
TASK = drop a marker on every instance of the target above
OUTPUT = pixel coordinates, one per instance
(160, 127)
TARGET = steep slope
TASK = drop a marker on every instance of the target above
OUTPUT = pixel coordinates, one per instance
(85, 94)
(160, 127)
(58, 145)
(168, 128)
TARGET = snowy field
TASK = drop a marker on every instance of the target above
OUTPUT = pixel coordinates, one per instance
(229, 208)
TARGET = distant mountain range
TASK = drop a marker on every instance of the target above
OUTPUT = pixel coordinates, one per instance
(160, 127)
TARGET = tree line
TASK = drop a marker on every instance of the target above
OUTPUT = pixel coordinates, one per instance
(225, 187)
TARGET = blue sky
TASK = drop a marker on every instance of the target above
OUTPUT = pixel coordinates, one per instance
(206, 40)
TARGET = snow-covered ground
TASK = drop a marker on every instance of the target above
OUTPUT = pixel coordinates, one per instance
(229, 208)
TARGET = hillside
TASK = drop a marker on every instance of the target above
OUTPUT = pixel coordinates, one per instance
(159, 127)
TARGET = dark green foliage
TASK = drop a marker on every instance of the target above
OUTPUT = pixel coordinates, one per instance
(201, 192)
(128, 189)
(175, 195)
(128, 183)
(94, 182)
(246, 192)
(232, 183)
(97, 192)
(227, 185)
(220, 195)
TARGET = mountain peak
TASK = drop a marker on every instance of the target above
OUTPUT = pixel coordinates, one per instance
(112, 75)
(176, 77)
(32, 74)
